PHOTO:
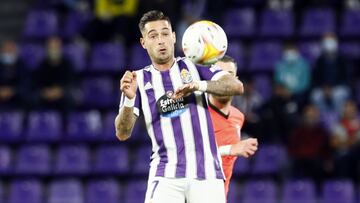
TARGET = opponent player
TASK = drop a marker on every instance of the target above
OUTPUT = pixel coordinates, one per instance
(185, 163)
(227, 122)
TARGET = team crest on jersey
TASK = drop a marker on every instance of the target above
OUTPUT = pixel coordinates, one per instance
(185, 76)
(169, 107)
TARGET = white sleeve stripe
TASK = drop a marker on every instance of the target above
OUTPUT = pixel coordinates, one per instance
(218, 75)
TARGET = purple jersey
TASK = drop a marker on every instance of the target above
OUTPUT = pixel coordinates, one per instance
(181, 131)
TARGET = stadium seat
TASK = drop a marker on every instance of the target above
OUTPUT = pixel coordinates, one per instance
(264, 56)
(29, 191)
(41, 24)
(241, 167)
(299, 191)
(33, 160)
(6, 159)
(310, 50)
(263, 191)
(103, 191)
(239, 23)
(350, 21)
(100, 92)
(76, 53)
(11, 126)
(269, 160)
(139, 57)
(142, 160)
(335, 191)
(112, 159)
(234, 194)
(317, 21)
(350, 49)
(107, 57)
(66, 191)
(263, 85)
(44, 126)
(135, 191)
(75, 22)
(236, 50)
(277, 23)
(109, 128)
(32, 54)
(84, 126)
(72, 160)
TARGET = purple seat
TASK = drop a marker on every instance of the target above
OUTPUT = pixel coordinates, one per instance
(236, 50)
(139, 57)
(11, 125)
(263, 191)
(269, 160)
(72, 160)
(299, 191)
(29, 191)
(135, 191)
(142, 160)
(350, 22)
(317, 21)
(109, 128)
(263, 84)
(44, 126)
(264, 55)
(277, 23)
(84, 126)
(336, 191)
(66, 191)
(241, 167)
(5, 160)
(112, 159)
(310, 51)
(33, 159)
(350, 49)
(76, 53)
(100, 92)
(32, 54)
(103, 191)
(239, 23)
(41, 24)
(107, 57)
(75, 23)
(234, 192)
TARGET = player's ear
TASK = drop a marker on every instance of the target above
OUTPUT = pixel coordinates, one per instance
(142, 42)
(174, 36)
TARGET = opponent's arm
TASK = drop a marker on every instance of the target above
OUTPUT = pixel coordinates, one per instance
(125, 120)
(244, 148)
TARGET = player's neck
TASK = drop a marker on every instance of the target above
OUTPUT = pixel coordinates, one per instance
(222, 106)
(164, 66)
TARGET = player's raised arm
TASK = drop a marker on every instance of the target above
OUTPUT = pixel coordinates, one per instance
(125, 120)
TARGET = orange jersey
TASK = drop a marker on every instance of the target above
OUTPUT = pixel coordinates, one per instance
(227, 132)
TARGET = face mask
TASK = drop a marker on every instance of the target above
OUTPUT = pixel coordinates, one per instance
(330, 45)
(291, 55)
(54, 54)
(8, 59)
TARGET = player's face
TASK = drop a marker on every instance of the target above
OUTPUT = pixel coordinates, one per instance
(159, 39)
(229, 67)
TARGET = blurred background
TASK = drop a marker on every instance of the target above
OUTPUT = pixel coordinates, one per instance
(60, 65)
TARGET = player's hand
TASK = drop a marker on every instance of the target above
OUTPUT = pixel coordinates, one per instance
(185, 90)
(245, 148)
(128, 84)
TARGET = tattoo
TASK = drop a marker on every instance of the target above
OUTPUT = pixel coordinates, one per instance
(226, 86)
(124, 123)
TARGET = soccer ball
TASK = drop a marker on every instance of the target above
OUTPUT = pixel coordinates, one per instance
(204, 42)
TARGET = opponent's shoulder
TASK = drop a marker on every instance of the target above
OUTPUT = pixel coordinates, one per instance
(236, 112)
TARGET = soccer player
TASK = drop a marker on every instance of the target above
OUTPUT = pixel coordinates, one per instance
(170, 93)
(227, 122)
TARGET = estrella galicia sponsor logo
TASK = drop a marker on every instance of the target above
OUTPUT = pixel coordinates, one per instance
(169, 107)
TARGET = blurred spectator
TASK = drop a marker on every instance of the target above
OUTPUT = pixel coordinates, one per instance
(352, 4)
(331, 77)
(308, 146)
(281, 4)
(278, 115)
(345, 141)
(53, 79)
(12, 77)
(249, 103)
(293, 72)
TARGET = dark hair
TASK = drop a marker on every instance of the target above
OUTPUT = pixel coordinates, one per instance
(228, 59)
(153, 15)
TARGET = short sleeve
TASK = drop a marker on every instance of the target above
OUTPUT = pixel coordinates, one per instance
(136, 105)
(210, 73)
